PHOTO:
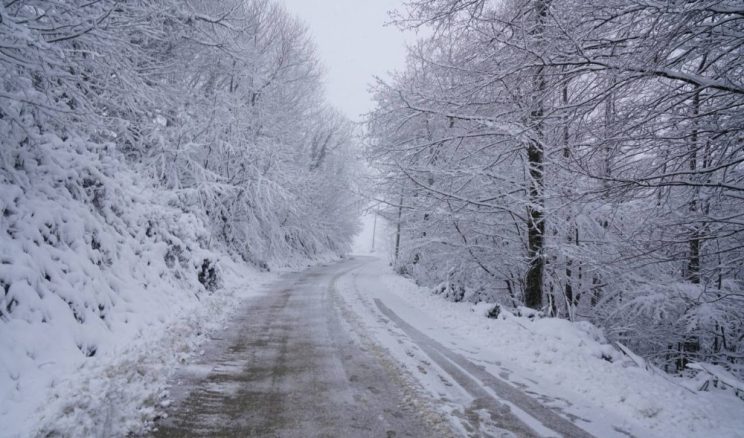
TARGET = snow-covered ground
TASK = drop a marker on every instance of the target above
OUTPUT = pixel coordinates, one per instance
(103, 288)
(125, 386)
(49, 387)
(568, 366)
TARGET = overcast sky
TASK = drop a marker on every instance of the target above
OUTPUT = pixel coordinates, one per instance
(354, 45)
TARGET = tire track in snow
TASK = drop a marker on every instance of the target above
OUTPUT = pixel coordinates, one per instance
(290, 366)
(534, 418)
(414, 399)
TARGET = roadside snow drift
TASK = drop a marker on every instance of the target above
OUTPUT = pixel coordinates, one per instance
(101, 284)
(568, 366)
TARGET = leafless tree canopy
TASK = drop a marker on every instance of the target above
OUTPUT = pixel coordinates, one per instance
(219, 102)
(583, 158)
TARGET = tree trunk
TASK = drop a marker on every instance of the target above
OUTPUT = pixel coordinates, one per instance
(533, 294)
(693, 263)
(568, 290)
(397, 231)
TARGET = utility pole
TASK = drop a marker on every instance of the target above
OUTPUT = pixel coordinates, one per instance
(374, 229)
(397, 230)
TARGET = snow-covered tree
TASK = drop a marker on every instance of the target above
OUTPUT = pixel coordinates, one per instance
(582, 158)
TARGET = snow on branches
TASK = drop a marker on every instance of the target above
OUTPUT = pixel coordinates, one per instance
(581, 158)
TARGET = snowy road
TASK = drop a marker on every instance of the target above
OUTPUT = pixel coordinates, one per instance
(303, 360)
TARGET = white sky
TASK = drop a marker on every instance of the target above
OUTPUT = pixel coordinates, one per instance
(354, 45)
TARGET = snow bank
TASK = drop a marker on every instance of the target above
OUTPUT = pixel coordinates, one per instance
(569, 366)
(103, 284)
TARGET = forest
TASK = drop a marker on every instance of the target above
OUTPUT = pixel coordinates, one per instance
(178, 194)
(214, 107)
(156, 156)
(219, 104)
(579, 158)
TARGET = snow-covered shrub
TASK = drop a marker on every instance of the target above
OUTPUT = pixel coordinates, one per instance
(208, 275)
(526, 312)
(450, 291)
(493, 312)
(90, 255)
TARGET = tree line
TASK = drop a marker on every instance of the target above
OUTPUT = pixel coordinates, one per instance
(219, 103)
(582, 158)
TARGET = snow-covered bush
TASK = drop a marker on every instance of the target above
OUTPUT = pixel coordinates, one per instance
(90, 255)
(493, 312)
(450, 291)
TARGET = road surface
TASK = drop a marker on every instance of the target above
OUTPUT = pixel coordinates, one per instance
(298, 362)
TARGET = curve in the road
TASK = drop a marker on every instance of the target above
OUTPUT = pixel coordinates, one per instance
(289, 366)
